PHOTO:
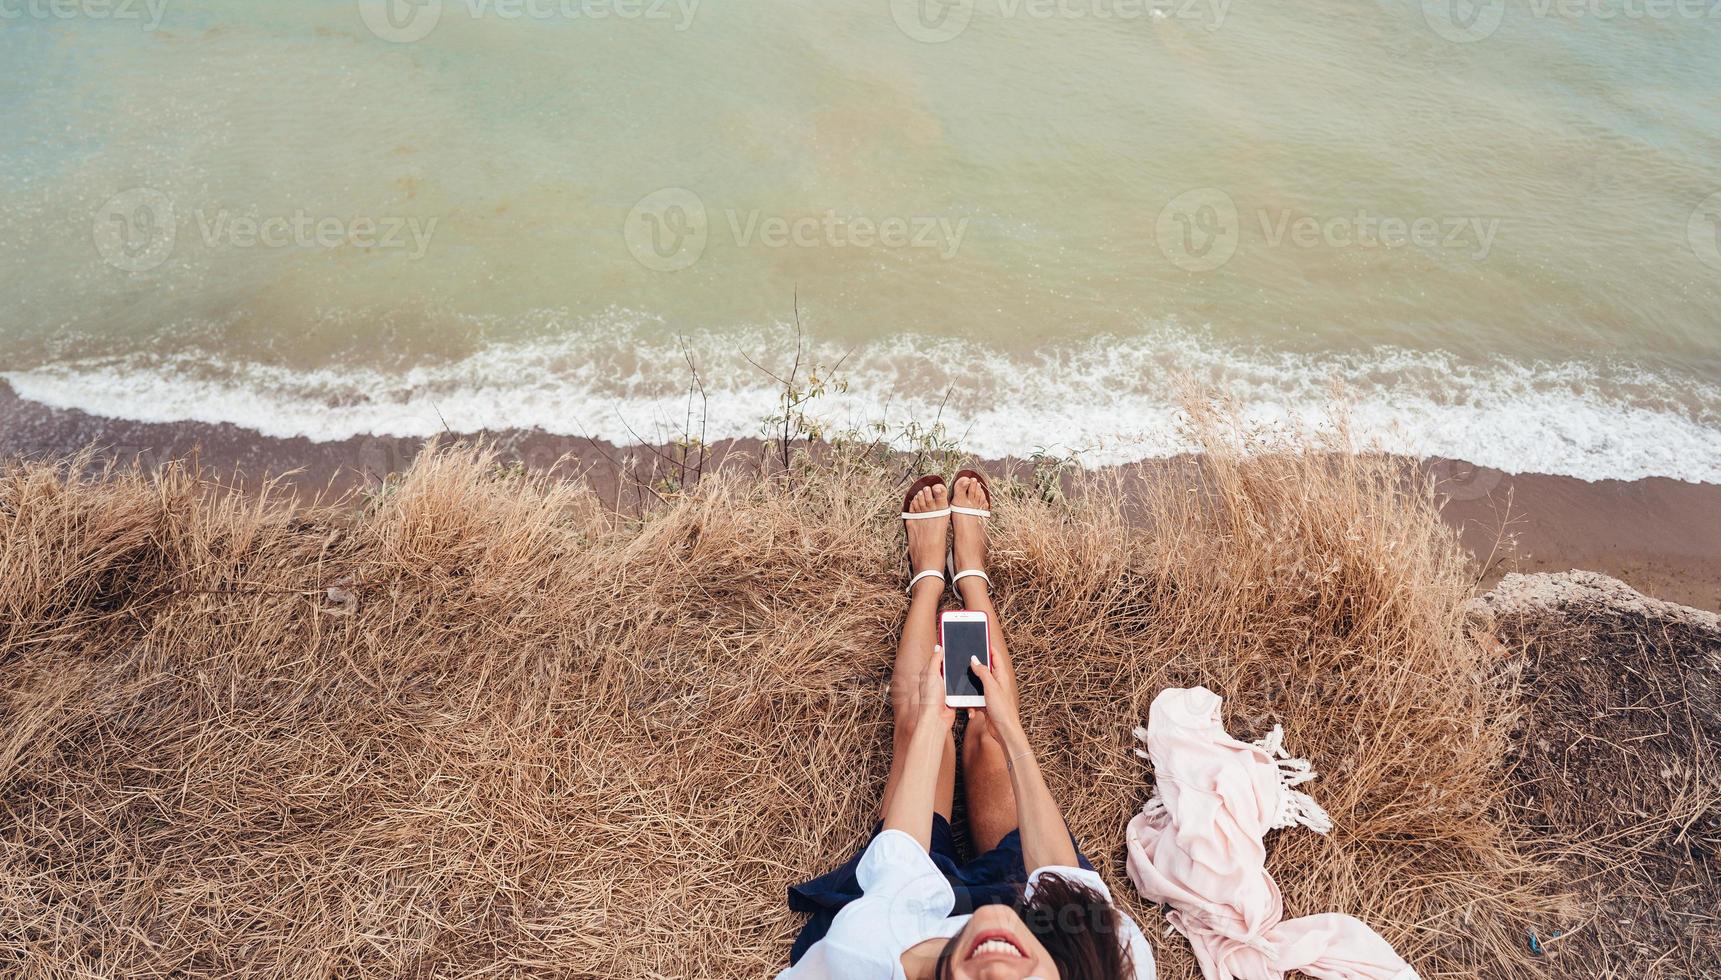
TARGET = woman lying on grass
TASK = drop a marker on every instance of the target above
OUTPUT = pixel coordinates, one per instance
(906, 907)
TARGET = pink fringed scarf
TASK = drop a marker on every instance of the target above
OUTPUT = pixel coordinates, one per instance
(1196, 846)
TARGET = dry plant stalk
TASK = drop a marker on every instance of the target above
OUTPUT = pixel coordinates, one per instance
(482, 726)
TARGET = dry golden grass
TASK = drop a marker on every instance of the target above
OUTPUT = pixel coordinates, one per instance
(483, 726)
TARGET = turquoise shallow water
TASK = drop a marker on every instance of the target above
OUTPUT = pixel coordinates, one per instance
(1497, 233)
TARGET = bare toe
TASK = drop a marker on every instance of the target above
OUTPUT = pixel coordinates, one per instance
(970, 532)
(926, 538)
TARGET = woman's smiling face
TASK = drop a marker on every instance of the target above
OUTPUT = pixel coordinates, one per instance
(996, 945)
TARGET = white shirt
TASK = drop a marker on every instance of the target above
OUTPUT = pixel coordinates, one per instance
(905, 901)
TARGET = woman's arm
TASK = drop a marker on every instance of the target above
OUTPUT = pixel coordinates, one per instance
(1045, 838)
(928, 719)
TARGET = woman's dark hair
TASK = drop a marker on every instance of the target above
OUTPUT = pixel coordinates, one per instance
(1078, 927)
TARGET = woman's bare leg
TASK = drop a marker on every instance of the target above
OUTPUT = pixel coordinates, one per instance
(926, 546)
(986, 779)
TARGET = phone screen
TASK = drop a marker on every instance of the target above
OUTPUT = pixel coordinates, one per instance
(962, 641)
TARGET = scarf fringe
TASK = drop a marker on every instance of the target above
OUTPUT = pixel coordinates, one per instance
(1296, 808)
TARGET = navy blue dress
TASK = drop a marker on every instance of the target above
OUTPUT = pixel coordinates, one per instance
(994, 878)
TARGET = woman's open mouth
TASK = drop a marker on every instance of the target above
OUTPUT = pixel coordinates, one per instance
(996, 943)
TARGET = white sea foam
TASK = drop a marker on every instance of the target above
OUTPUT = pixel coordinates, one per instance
(1114, 400)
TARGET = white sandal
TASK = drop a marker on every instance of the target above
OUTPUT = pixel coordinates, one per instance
(971, 573)
(920, 575)
(920, 484)
(950, 556)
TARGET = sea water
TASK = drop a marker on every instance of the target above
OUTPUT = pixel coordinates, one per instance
(1487, 229)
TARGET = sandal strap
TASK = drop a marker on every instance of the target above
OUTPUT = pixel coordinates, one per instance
(971, 511)
(925, 574)
(926, 514)
(971, 573)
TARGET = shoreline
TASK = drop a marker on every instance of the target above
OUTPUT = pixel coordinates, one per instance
(1661, 536)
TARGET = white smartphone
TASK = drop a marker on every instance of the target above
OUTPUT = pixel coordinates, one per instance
(964, 633)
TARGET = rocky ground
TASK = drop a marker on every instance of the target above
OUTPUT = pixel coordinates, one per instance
(1619, 749)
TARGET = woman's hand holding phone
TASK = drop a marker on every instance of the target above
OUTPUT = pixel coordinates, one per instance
(1002, 711)
(929, 707)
